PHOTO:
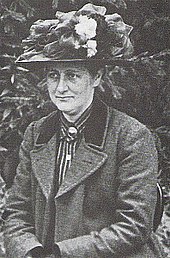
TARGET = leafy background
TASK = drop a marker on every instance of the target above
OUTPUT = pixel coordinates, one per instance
(140, 87)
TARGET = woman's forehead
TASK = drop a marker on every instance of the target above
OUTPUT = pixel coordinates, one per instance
(68, 66)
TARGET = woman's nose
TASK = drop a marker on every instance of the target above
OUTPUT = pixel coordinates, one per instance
(62, 85)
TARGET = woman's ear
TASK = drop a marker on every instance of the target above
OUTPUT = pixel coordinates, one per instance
(98, 77)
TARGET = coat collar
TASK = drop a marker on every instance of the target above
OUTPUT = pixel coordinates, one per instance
(95, 130)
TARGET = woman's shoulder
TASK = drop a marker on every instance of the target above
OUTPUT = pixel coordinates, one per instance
(43, 125)
(126, 124)
(125, 119)
(44, 121)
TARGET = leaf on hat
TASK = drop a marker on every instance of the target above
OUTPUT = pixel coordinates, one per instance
(70, 39)
(54, 50)
(65, 16)
(42, 26)
(92, 9)
(116, 23)
(30, 54)
(51, 48)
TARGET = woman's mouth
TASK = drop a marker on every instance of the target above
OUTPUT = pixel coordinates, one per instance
(64, 97)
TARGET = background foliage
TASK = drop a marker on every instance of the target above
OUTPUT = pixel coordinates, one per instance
(140, 87)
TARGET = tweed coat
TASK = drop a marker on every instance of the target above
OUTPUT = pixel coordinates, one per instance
(105, 205)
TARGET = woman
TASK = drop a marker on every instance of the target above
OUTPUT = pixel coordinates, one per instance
(86, 182)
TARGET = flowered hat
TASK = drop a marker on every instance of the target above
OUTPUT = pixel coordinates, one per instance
(84, 35)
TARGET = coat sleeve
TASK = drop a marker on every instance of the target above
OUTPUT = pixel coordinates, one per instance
(19, 235)
(136, 199)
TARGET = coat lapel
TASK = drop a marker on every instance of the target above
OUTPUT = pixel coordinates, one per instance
(43, 163)
(44, 153)
(84, 164)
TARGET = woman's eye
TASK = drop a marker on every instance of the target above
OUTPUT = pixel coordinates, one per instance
(53, 75)
(72, 76)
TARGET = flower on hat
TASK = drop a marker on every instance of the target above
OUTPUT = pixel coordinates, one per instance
(91, 46)
(86, 28)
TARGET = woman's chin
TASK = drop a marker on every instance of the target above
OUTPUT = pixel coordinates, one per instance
(65, 108)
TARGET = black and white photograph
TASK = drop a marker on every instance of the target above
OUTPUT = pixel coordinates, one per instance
(84, 129)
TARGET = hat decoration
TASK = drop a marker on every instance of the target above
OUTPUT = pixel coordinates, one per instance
(84, 34)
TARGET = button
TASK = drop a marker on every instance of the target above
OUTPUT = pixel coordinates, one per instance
(72, 131)
(68, 157)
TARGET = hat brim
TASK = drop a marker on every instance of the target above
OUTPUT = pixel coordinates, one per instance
(45, 63)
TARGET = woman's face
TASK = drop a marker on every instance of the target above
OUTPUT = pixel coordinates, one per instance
(71, 87)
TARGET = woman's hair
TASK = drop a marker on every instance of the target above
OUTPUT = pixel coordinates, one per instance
(94, 67)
